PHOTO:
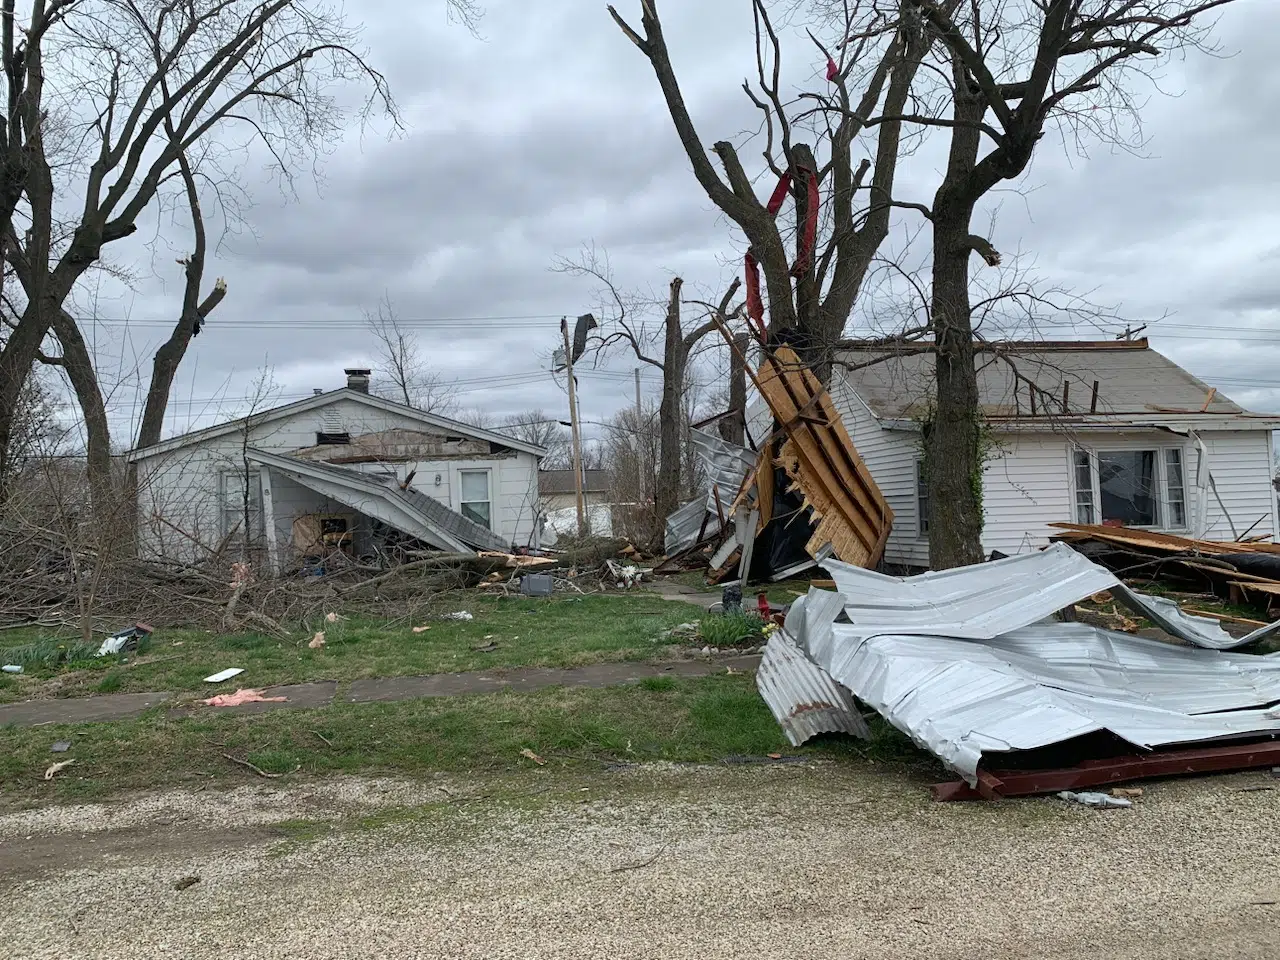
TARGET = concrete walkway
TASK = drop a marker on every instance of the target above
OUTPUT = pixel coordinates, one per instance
(670, 590)
(302, 696)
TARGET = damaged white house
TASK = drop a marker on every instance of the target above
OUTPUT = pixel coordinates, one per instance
(338, 472)
(1080, 432)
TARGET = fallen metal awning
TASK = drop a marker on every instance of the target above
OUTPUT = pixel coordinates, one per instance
(408, 511)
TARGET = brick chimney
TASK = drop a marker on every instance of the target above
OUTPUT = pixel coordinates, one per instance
(358, 379)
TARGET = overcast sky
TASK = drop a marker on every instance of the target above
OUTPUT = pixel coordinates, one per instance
(548, 132)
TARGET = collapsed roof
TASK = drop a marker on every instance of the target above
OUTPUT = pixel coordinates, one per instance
(405, 509)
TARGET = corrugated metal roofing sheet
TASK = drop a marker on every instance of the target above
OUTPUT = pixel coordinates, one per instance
(1040, 685)
(683, 526)
(726, 465)
(802, 696)
(985, 600)
(981, 600)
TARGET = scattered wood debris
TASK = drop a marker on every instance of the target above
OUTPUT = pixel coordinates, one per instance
(1239, 571)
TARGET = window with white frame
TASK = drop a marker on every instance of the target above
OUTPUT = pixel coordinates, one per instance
(474, 499)
(922, 502)
(1133, 488)
(233, 510)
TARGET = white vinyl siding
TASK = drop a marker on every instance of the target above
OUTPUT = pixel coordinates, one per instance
(1025, 488)
(1240, 461)
(890, 456)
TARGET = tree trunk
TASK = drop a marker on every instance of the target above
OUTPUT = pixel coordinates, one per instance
(78, 363)
(16, 357)
(953, 461)
(667, 492)
(952, 456)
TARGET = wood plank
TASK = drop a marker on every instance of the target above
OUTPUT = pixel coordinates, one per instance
(1255, 586)
(1226, 616)
(822, 462)
(783, 401)
(834, 434)
(1161, 541)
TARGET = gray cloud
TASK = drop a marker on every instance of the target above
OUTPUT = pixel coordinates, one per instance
(550, 132)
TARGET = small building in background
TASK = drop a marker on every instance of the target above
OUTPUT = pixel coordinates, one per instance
(556, 488)
(339, 475)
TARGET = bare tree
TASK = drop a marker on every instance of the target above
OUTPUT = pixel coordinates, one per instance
(541, 429)
(39, 432)
(810, 145)
(1015, 68)
(623, 327)
(476, 417)
(140, 85)
(404, 374)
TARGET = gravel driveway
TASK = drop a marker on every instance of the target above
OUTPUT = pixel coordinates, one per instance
(780, 862)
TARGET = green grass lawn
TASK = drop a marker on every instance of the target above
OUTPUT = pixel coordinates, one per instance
(698, 720)
(558, 631)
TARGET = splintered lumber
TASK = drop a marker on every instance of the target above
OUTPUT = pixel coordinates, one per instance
(1150, 540)
(819, 459)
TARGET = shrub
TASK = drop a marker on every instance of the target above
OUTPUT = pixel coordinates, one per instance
(730, 629)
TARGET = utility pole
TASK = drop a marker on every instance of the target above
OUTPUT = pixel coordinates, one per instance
(639, 459)
(573, 428)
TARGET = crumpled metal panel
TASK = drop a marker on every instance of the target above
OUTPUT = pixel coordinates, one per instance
(985, 600)
(1201, 631)
(683, 526)
(979, 601)
(803, 698)
(963, 698)
(726, 465)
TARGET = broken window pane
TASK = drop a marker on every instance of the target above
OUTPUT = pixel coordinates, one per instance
(1128, 488)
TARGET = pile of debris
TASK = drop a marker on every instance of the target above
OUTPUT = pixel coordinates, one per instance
(970, 665)
(1244, 572)
(778, 509)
